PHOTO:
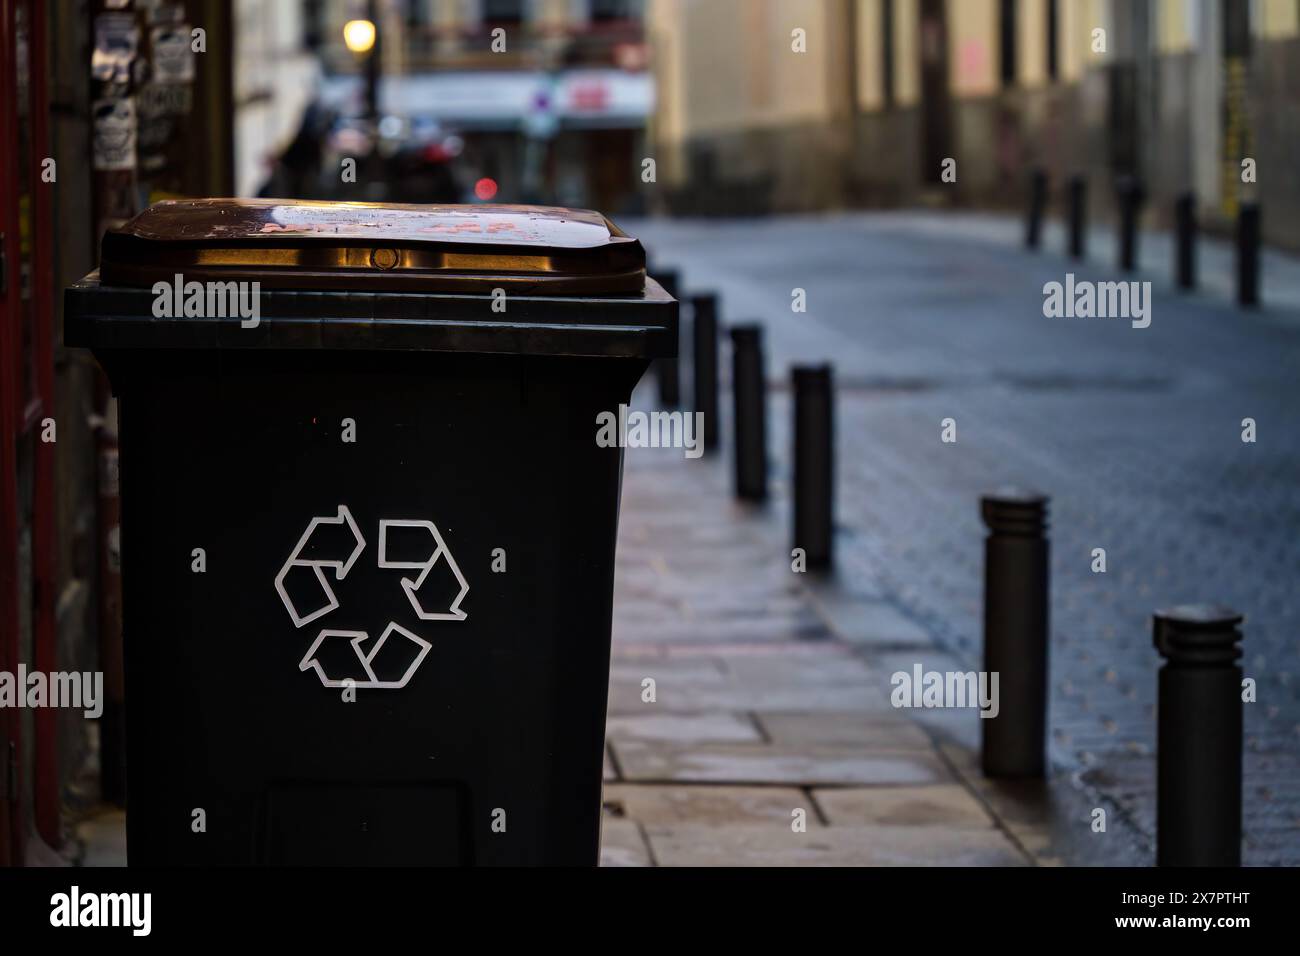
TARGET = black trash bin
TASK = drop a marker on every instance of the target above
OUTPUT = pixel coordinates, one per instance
(368, 532)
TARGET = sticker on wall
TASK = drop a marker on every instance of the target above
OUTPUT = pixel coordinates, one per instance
(173, 59)
(114, 134)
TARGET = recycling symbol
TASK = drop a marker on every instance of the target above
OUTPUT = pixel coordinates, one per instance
(350, 658)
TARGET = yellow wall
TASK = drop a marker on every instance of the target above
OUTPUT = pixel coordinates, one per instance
(736, 57)
(666, 62)
(973, 47)
(1096, 13)
(552, 13)
(907, 52)
(724, 65)
(1277, 18)
(1031, 37)
(1173, 27)
(871, 55)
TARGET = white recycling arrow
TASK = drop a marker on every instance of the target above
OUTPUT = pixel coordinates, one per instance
(412, 588)
(366, 661)
(340, 568)
(357, 660)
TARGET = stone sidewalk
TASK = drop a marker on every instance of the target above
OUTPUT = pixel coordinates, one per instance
(771, 697)
(1135, 434)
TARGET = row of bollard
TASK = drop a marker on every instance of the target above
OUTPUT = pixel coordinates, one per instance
(1199, 709)
(813, 523)
(1130, 195)
(1199, 706)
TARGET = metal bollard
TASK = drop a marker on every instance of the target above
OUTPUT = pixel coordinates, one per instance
(1248, 226)
(814, 464)
(1037, 200)
(1198, 737)
(1185, 241)
(705, 358)
(1078, 199)
(668, 370)
(749, 390)
(1130, 194)
(1016, 632)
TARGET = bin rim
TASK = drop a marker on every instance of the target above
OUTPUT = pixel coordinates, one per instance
(308, 244)
(640, 326)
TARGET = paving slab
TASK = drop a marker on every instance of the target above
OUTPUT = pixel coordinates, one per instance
(777, 845)
(883, 731)
(806, 626)
(677, 670)
(706, 804)
(868, 621)
(831, 665)
(775, 763)
(625, 697)
(623, 844)
(1019, 801)
(938, 805)
(682, 728)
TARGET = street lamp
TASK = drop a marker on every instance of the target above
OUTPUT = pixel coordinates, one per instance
(362, 38)
(359, 35)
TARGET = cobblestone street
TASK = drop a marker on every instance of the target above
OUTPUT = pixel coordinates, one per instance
(772, 688)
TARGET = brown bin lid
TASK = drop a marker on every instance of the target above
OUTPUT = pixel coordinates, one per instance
(296, 244)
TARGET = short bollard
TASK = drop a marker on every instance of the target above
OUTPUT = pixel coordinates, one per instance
(1248, 254)
(705, 358)
(1185, 241)
(749, 388)
(1037, 201)
(1198, 737)
(814, 464)
(1016, 632)
(1130, 194)
(1078, 214)
(667, 370)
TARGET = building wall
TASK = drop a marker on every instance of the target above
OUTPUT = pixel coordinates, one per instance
(274, 78)
(767, 129)
(742, 117)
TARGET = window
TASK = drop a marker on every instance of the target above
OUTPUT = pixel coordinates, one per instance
(1007, 45)
(418, 13)
(887, 51)
(602, 11)
(503, 11)
(1236, 30)
(313, 24)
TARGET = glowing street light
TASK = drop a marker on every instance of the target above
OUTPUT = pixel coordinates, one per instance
(359, 35)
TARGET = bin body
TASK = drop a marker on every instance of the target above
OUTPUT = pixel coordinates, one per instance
(317, 695)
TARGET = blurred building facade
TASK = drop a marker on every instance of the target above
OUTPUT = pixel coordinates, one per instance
(550, 98)
(1176, 92)
(275, 76)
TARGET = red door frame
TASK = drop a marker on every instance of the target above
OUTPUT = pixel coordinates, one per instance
(20, 420)
(11, 810)
(44, 566)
